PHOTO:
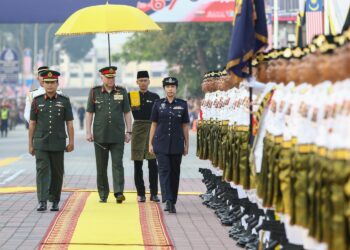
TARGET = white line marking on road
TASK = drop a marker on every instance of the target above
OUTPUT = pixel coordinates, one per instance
(11, 177)
(25, 155)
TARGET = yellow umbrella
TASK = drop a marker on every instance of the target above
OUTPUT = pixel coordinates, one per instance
(108, 18)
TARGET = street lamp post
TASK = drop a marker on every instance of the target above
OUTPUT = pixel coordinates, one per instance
(46, 56)
(275, 24)
(35, 50)
(56, 46)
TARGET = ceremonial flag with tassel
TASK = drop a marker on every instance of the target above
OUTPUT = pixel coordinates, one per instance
(249, 35)
(300, 29)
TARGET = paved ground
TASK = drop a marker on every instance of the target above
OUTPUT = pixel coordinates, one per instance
(21, 227)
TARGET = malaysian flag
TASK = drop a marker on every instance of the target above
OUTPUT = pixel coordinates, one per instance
(314, 19)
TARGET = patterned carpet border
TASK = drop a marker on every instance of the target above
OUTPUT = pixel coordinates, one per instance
(62, 227)
(24, 190)
(154, 232)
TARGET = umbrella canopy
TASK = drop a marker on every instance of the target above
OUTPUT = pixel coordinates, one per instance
(108, 18)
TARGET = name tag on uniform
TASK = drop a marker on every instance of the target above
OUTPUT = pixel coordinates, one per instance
(118, 97)
(41, 105)
(178, 107)
(149, 101)
(59, 105)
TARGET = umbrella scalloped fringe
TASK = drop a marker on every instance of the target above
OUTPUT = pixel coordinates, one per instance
(113, 32)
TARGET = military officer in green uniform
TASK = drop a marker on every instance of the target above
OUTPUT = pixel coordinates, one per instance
(47, 139)
(110, 106)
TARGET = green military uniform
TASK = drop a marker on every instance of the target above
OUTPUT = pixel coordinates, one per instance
(109, 131)
(49, 142)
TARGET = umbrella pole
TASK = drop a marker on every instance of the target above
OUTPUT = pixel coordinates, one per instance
(109, 50)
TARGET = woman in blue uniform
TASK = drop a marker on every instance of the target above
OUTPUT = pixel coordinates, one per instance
(169, 140)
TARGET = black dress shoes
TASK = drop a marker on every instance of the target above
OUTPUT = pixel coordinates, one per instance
(55, 206)
(167, 206)
(172, 209)
(103, 200)
(120, 198)
(154, 198)
(42, 206)
(141, 198)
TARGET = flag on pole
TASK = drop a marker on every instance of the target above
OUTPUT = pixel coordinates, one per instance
(347, 22)
(314, 19)
(249, 34)
(300, 27)
(269, 31)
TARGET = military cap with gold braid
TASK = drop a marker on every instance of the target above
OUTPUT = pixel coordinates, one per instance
(222, 72)
(342, 39)
(255, 62)
(42, 68)
(319, 40)
(297, 52)
(50, 75)
(109, 71)
(346, 33)
(273, 54)
(312, 48)
(215, 74)
(327, 47)
(261, 56)
(287, 53)
(207, 75)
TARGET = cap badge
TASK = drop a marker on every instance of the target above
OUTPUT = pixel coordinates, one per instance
(49, 74)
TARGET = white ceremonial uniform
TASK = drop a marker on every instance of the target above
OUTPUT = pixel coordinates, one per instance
(30, 97)
(204, 107)
(258, 149)
(295, 234)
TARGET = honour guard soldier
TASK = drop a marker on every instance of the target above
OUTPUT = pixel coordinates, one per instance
(110, 106)
(169, 140)
(141, 103)
(47, 139)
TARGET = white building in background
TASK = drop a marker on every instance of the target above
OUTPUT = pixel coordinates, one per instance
(84, 74)
(157, 71)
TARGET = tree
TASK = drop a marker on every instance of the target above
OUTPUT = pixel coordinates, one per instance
(193, 48)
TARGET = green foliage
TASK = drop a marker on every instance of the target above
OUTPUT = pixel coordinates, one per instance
(193, 48)
(77, 47)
